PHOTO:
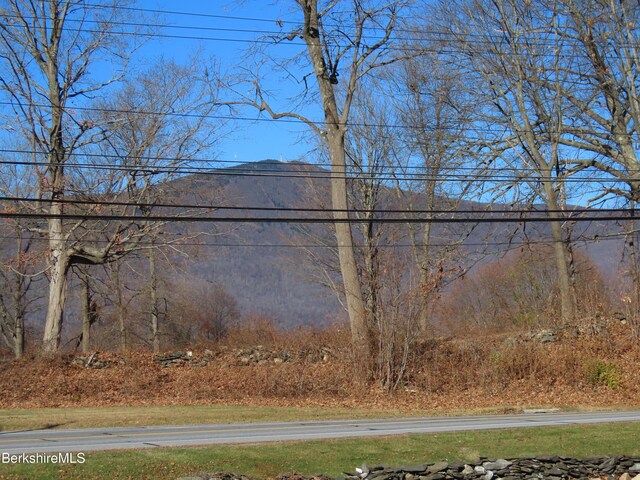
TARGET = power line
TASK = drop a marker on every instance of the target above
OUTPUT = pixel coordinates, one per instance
(278, 42)
(252, 163)
(632, 215)
(297, 121)
(318, 210)
(349, 174)
(439, 35)
(280, 22)
(386, 173)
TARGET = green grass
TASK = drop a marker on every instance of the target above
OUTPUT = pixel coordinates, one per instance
(333, 457)
(58, 418)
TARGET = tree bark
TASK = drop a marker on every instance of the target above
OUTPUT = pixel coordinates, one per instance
(346, 254)
(59, 259)
(335, 139)
(634, 260)
(562, 259)
(86, 311)
(18, 308)
(425, 260)
(153, 297)
(59, 262)
(120, 310)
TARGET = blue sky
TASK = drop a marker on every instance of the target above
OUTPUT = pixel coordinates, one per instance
(246, 141)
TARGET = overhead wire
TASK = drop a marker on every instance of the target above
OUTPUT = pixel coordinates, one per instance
(288, 120)
(280, 22)
(403, 47)
(262, 208)
(109, 23)
(252, 171)
(275, 42)
(252, 163)
(256, 172)
(531, 217)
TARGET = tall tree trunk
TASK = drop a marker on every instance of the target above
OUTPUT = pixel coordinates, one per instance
(153, 297)
(86, 311)
(371, 272)
(425, 259)
(59, 260)
(632, 241)
(346, 254)
(120, 310)
(18, 345)
(562, 258)
(335, 139)
(59, 263)
(18, 307)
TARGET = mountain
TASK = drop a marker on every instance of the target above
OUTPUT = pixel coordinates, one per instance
(265, 267)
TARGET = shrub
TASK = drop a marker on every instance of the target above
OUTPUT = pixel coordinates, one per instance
(600, 372)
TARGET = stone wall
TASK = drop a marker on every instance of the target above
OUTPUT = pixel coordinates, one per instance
(534, 468)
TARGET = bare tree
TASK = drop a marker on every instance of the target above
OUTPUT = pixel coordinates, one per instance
(600, 89)
(165, 123)
(48, 53)
(22, 257)
(89, 309)
(568, 85)
(199, 310)
(434, 146)
(17, 276)
(345, 41)
(511, 51)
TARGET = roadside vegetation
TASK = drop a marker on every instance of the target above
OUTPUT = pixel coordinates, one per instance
(594, 366)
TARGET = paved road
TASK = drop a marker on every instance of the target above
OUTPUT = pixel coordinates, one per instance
(48, 441)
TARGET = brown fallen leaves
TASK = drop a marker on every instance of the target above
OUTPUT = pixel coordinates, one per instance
(490, 372)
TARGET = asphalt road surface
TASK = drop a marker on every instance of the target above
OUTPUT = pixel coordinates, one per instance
(50, 441)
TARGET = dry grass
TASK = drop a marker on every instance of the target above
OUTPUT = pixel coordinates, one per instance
(479, 372)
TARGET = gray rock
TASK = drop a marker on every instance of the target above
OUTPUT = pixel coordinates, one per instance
(548, 458)
(414, 469)
(363, 471)
(467, 470)
(635, 468)
(377, 475)
(554, 472)
(499, 464)
(437, 467)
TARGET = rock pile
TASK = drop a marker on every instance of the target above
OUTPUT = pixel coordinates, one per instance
(260, 355)
(178, 359)
(96, 361)
(542, 467)
(534, 468)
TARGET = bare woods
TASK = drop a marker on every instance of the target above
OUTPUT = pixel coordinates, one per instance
(473, 157)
